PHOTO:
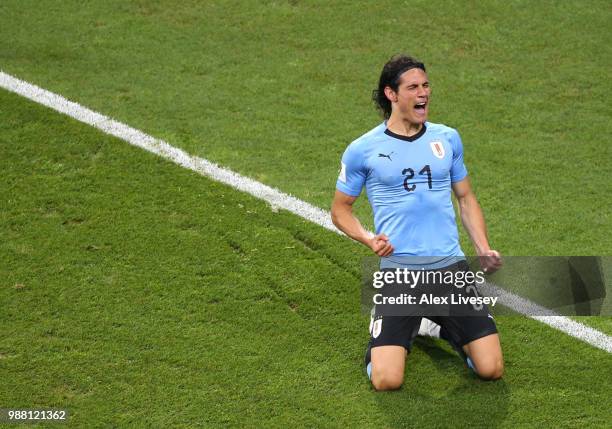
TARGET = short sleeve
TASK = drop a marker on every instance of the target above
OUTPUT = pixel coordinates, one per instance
(352, 172)
(458, 171)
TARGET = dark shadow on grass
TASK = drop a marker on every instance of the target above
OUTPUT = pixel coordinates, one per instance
(470, 403)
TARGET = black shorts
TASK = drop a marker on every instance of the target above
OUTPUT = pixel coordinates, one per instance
(401, 330)
(463, 325)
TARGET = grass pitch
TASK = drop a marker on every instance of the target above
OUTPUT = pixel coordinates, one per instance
(135, 293)
(138, 293)
(276, 90)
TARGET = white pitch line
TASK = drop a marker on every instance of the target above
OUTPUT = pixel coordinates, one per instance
(159, 147)
(548, 317)
(271, 195)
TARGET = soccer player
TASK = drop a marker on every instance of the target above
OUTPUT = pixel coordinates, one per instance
(409, 167)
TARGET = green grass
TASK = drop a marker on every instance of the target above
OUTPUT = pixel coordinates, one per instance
(137, 293)
(276, 90)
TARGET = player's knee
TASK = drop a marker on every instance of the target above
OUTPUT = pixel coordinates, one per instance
(387, 380)
(490, 369)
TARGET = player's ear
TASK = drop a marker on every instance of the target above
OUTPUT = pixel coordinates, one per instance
(390, 94)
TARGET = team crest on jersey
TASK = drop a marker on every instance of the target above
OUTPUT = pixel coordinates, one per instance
(376, 328)
(437, 148)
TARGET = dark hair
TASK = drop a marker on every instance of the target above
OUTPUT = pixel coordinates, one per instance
(390, 77)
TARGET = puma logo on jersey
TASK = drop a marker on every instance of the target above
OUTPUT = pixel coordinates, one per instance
(382, 155)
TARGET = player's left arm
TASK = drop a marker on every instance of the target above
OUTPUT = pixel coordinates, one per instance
(474, 223)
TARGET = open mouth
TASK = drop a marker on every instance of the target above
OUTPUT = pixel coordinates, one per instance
(420, 107)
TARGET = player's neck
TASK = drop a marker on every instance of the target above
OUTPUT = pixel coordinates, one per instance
(403, 128)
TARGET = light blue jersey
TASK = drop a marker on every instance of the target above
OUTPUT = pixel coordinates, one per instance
(408, 183)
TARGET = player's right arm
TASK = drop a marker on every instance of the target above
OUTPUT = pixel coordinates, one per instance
(351, 180)
(344, 219)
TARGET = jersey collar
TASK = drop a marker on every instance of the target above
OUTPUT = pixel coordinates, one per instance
(406, 138)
